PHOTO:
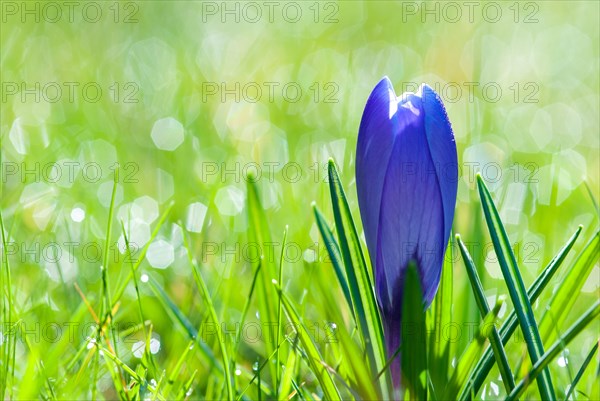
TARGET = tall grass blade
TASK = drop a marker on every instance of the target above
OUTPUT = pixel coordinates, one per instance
(177, 368)
(495, 340)
(333, 250)
(106, 299)
(314, 358)
(439, 347)
(228, 377)
(359, 280)
(414, 342)
(581, 371)
(8, 345)
(486, 363)
(259, 234)
(555, 350)
(459, 379)
(279, 281)
(289, 371)
(564, 298)
(516, 288)
(180, 318)
(238, 336)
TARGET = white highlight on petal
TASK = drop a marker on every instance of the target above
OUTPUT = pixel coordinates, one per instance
(393, 103)
(408, 105)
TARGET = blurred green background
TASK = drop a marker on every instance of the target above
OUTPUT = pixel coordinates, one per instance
(188, 97)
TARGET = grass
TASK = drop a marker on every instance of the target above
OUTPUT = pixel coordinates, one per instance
(336, 377)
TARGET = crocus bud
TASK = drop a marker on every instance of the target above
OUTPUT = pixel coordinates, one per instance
(406, 178)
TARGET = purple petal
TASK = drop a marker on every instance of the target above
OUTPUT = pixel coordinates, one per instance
(411, 213)
(383, 120)
(375, 139)
(443, 151)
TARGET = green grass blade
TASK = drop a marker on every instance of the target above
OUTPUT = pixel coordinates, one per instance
(541, 282)
(228, 377)
(333, 250)
(187, 387)
(135, 282)
(345, 350)
(238, 336)
(458, 381)
(107, 354)
(180, 318)
(486, 363)
(495, 340)
(441, 312)
(106, 299)
(564, 298)
(259, 233)
(177, 368)
(516, 288)
(555, 350)
(581, 371)
(288, 375)
(260, 386)
(279, 281)
(41, 371)
(123, 365)
(361, 379)
(359, 281)
(8, 346)
(592, 197)
(414, 345)
(315, 360)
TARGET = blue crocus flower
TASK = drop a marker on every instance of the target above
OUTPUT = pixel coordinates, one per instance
(406, 178)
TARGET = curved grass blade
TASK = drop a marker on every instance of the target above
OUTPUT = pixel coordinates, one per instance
(106, 299)
(333, 250)
(177, 369)
(261, 387)
(486, 363)
(362, 380)
(414, 354)
(581, 371)
(458, 381)
(185, 392)
(315, 360)
(259, 233)
(288, 375)
(345, 350)
(563, 300)
(555, 350)
(180, 318)
(238, 336)
(359, 280)
(139, 300)
(516, 288)
(213, 315)
(279, 281)
(592, 197)
(131, 372)
(495, 340)
(8, 346)
(439, 347)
